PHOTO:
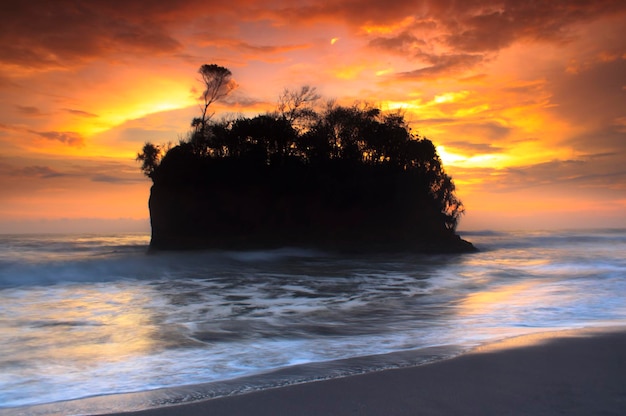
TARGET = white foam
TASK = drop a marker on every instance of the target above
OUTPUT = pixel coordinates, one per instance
(101, 324)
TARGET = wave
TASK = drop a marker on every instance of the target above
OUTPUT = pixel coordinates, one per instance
(48, 260)
(111, 316)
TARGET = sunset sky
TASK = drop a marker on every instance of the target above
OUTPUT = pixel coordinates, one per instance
(526, 100)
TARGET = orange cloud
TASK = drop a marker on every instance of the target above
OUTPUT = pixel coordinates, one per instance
(522, 98)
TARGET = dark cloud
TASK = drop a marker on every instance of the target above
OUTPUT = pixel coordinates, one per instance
(110, 172)
(353, 12)
(469, 26)
(107, 178)
(556, 171)
(242, 46)
(583, 173)
(594, 95)
(40, 33)
(486, 130)
(594, 174)
(29, 111)
(436, 65)
(529, 89)
(474, 30)
(442, 66)
(489, 26)
(241, 99)
(608, 140)
(68, 137)
(62, 33)
(80, 113)
(594, 99)
(43, 172)
(9, 170)
(586, 175)
(85, 170)
(402, 43)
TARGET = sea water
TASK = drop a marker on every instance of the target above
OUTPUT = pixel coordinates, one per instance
(87, 316)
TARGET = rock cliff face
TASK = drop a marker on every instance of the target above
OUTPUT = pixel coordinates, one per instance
(334, 207)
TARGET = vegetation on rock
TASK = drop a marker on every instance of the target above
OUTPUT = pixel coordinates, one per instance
(303, 174)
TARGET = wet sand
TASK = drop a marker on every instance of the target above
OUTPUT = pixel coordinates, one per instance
(581, 373)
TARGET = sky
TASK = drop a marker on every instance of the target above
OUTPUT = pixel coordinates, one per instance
(525, 100)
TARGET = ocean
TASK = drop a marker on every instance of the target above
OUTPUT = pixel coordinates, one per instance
(85, 317)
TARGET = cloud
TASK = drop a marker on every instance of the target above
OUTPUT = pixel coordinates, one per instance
(40, 33)
(68, 137)
(442, 66)
(112, 179)
(239, 99)
(75, 171)
(404, 42)
(590, 175)
(243, 46)
(486, 130)
(581, 173)
(593, 100)
(470, 26)
(43, 172)
(355, 12)
(11, 169)
(451, 37)
(64, 33)
(471, 149)
(530, 69)
(593, 95)
(60, 34)
(480, 26)
(29, 111)
(110, 172)
(489, 26)
(7, 127)
(80, 113)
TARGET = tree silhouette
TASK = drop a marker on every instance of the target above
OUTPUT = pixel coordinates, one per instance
(296, 106)
(218, 83)
(150, 156)
(335, 173)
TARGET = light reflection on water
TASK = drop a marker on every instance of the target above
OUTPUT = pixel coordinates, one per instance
(81, 322)
(116, 320)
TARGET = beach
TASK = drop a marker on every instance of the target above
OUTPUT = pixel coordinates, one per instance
(570, 373)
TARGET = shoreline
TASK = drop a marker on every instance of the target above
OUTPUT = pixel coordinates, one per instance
(574, 372)
(579, 371)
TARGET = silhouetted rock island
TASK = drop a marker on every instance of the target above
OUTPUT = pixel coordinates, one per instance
(340, 177)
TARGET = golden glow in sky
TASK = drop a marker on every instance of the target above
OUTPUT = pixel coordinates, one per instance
(525, 101)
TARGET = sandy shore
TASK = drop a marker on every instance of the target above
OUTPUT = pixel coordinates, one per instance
(581, 373)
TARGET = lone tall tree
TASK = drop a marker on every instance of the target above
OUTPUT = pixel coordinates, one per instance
(218, 83)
